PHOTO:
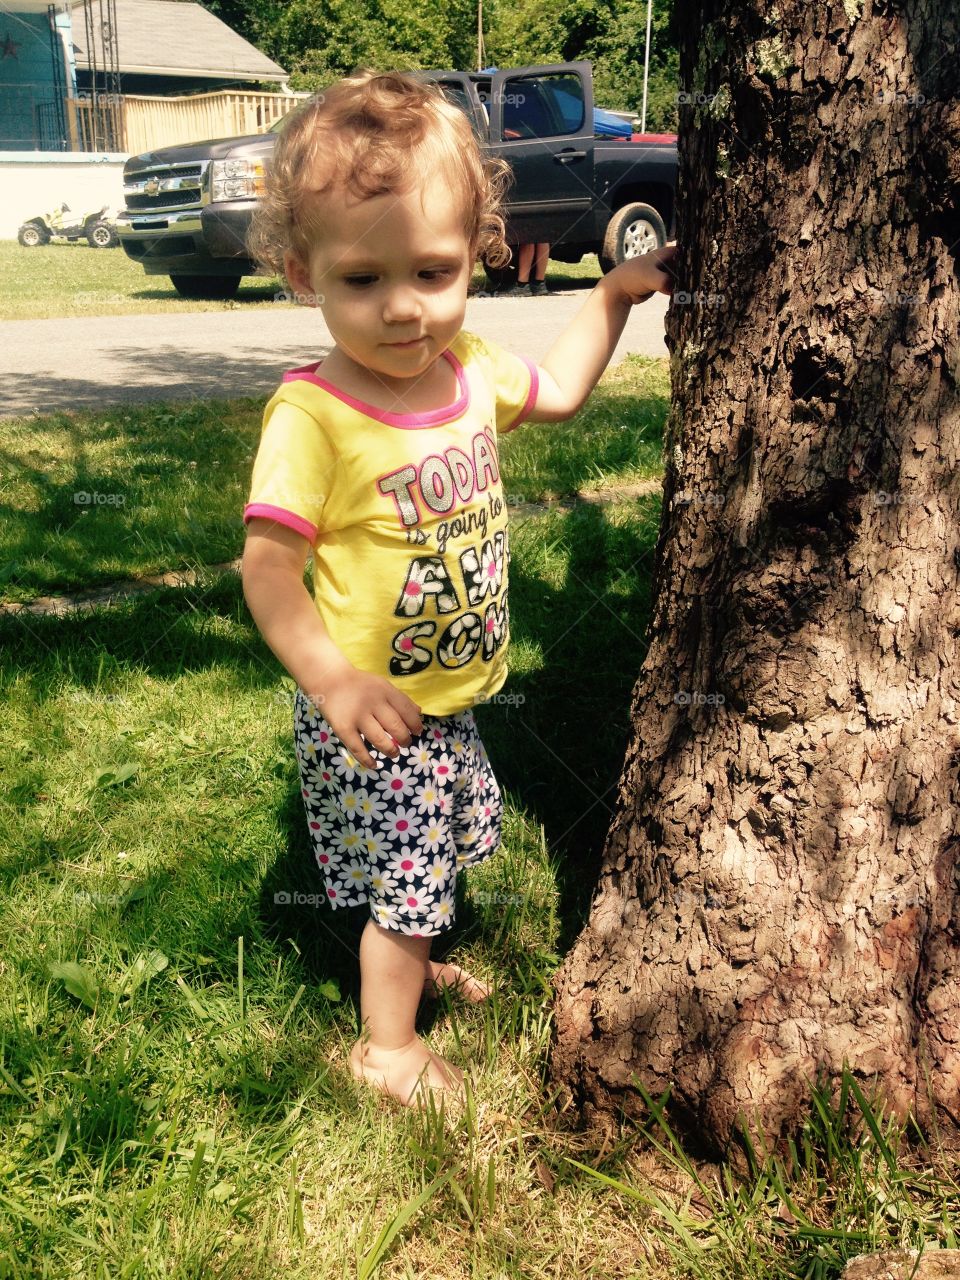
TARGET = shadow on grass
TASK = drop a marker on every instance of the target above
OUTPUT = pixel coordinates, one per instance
(249, 292)
(136, 374)
(558, 752)
(88, 499)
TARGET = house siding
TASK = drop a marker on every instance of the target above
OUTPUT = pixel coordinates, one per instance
(29, 110)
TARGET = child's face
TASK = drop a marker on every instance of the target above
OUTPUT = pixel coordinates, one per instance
(390, 275)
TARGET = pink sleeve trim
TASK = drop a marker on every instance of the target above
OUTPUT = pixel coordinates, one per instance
(281, 516)
(531, 399)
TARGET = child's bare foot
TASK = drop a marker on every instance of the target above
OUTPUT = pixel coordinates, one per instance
(451, 975)
(409, 1074)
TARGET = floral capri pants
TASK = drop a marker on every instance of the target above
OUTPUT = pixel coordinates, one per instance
(397, 835)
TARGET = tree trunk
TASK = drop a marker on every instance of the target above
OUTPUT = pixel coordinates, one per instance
(779, 892)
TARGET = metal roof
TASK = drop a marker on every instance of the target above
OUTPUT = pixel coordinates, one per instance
(174, 37)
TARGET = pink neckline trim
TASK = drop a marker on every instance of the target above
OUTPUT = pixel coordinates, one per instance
(409, 421)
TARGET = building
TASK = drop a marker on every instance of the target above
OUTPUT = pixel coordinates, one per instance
(164, 47)
(66, 67)
(85, 84)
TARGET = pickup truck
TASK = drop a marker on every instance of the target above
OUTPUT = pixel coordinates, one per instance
(188, 207)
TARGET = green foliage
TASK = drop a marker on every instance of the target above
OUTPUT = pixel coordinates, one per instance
(319, 40)
(612, 37)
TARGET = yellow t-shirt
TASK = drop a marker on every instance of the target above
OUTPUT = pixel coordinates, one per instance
(407, 520)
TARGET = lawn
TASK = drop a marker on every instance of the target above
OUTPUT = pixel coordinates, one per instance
(60, 280)
(174, 1019)
(175, 1011)
(89, 497)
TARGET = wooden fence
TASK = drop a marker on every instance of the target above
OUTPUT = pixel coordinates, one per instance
(141, 123)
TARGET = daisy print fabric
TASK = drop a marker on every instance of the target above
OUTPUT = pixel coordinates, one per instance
(397, 835)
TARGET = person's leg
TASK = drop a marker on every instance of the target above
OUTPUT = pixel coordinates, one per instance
(390, 1055)
(541, 259)
(524, 260)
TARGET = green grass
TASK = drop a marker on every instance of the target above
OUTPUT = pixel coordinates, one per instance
(174, 1095)
(89, 497)
(60, 280)
(86, 498)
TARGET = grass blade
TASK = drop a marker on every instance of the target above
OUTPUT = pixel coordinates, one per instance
(396, 1224)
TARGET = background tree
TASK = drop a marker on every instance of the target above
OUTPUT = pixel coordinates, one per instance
(319, 40)
(612, 37)
(779, 892)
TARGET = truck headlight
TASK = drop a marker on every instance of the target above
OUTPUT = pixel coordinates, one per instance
(235, 179)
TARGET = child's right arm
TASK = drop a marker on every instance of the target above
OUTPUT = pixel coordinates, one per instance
(351, 701)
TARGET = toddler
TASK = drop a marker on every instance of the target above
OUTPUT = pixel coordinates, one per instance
(381, 462)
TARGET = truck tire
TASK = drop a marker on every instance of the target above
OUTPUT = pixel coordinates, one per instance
(32, 234)
(634, 229)
(211, 287)
(102, 235)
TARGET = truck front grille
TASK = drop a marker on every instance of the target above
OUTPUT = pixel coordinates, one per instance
(163, 187)
(162, 200)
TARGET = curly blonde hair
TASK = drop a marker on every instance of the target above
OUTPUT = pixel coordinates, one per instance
(375, 133)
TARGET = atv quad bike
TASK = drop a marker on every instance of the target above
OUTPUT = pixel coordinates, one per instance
(96, 228)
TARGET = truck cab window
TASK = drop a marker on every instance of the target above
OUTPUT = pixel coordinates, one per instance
(455, 93)
(542, 107)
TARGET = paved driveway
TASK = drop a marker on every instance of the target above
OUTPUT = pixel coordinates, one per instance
(90, 361)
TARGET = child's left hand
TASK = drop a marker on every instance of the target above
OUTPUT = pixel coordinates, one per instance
(648, 273)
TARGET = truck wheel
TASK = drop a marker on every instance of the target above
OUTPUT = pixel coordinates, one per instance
(212, 287)
(102, 235)
(31, 234)
(502, 278)
(634, 229)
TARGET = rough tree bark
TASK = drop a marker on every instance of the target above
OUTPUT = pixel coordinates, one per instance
(779, 892)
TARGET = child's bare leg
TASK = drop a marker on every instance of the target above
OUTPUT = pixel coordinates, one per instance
(390, 1055)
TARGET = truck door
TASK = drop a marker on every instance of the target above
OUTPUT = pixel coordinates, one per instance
(541, 122)
(457, 88)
